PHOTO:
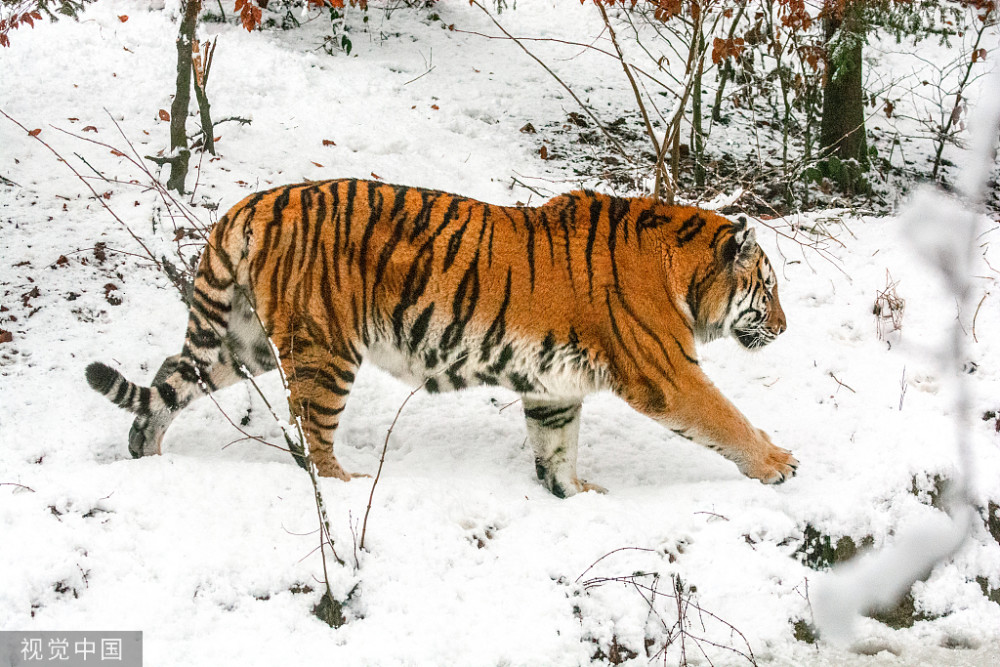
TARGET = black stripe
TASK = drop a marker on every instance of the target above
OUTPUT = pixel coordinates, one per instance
(595, 216)
(506, 354)
(336, 214)
(423, 218)
(567, 216)
(419, 328)
(457, 381)
(352, 191)
(325, 411)
(168, 395)
(498, 327)
(552, 416)
(463, 305)
(616, 330)
(547, 353)
(366, 237)
(387, 250)
(203, 338)
(520, 383)
(455, 241)
(616, 213)
(207, 273)
(722, 229)
(690, 229)
(221, 306)
(143, 400)
(413, 287)
(120, 395)
(198, 308)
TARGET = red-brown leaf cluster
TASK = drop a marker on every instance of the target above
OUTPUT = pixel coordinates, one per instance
(250, 12)
(723, 49)
(16, 20)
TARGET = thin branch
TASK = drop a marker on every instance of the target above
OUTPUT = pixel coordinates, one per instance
(381, 462)
(974, 338)
(614, 142)
(841, 383)
(100, 200)
(20, 486)
(635, 87)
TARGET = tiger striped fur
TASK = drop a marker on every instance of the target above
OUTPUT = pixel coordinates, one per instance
(585, 293)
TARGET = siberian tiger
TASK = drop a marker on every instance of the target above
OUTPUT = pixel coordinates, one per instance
(587, 292)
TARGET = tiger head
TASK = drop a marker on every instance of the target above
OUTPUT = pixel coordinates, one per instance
(741, 298)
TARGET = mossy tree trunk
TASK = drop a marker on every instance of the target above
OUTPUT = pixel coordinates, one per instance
(842, 128)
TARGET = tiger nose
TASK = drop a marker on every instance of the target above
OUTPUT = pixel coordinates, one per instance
(778, 324)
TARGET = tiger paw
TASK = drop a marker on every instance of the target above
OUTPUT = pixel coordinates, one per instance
(328, 468)
(582, 486)
(773, 465)
(569, 487)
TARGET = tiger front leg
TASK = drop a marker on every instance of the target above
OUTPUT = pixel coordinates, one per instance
(695, 409)
(554, 430)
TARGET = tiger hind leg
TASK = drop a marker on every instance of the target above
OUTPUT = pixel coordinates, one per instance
(319, 383)
(553, 430)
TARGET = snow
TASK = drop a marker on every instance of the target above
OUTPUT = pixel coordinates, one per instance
(469, 561)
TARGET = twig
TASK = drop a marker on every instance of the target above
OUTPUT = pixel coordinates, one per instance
(238, 119)
(20, 486)
(514, 402)
(985, 294)
(110, 249)
(902, 388)
(841, 383)
(635, 88)
(381, 461)
(84, 160)
(610, 553)
(416, 78)
(538, 39)
(515, 180)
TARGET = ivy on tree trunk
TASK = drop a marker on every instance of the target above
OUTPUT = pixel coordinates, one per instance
(842, 129)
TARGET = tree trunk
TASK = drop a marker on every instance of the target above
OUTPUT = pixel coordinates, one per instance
(182, 98)
(842, 129)
(697, 134)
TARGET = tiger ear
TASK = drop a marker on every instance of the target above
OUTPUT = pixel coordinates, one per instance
(746, 241)
(739, 250)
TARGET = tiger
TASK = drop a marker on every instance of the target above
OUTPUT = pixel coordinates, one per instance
(587, 292)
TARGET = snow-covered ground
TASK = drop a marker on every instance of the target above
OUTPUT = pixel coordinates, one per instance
(211, 548)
